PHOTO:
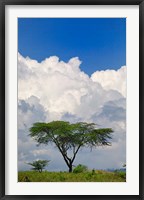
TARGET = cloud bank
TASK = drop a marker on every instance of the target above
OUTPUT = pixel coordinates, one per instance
(56, 90)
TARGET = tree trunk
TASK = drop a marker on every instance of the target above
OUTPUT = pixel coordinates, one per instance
(70, 168)
(40, 170)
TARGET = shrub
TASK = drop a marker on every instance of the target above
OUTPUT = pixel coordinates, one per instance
(122, 174)
(80, 169)
(93, 171)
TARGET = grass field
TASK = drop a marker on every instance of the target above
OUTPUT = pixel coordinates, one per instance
(91, 176)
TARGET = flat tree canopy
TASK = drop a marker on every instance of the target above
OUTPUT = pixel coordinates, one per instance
(39, 165)
(69, 138)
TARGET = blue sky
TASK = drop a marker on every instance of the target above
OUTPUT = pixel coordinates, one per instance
(100, 43)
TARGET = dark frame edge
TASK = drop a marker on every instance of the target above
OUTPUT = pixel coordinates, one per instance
(71, 2)
(141, 99)
(2, 100)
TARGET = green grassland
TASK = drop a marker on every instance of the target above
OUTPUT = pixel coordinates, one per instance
(90, 176)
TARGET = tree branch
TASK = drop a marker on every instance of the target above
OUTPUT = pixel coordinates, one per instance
(67, 160)
(75, 153)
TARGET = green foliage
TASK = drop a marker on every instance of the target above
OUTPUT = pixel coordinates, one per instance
(72, 137)
(39, 165)
(93, 171)
(81, 133)
(122, 174)
(45, 176)
(80, 169)
(124, 165)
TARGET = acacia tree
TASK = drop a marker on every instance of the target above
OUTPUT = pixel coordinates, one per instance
(69, 138)
(39, 165)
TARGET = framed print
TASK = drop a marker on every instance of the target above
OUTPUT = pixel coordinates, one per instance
(71, 99)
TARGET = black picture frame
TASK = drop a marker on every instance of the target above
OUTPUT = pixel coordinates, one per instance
(3, 3)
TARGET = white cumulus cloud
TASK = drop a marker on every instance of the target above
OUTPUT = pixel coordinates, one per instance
(112, 79)
(56, 90)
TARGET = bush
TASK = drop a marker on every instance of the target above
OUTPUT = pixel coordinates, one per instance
(93, 171)
(80, 169)
(122, 174)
